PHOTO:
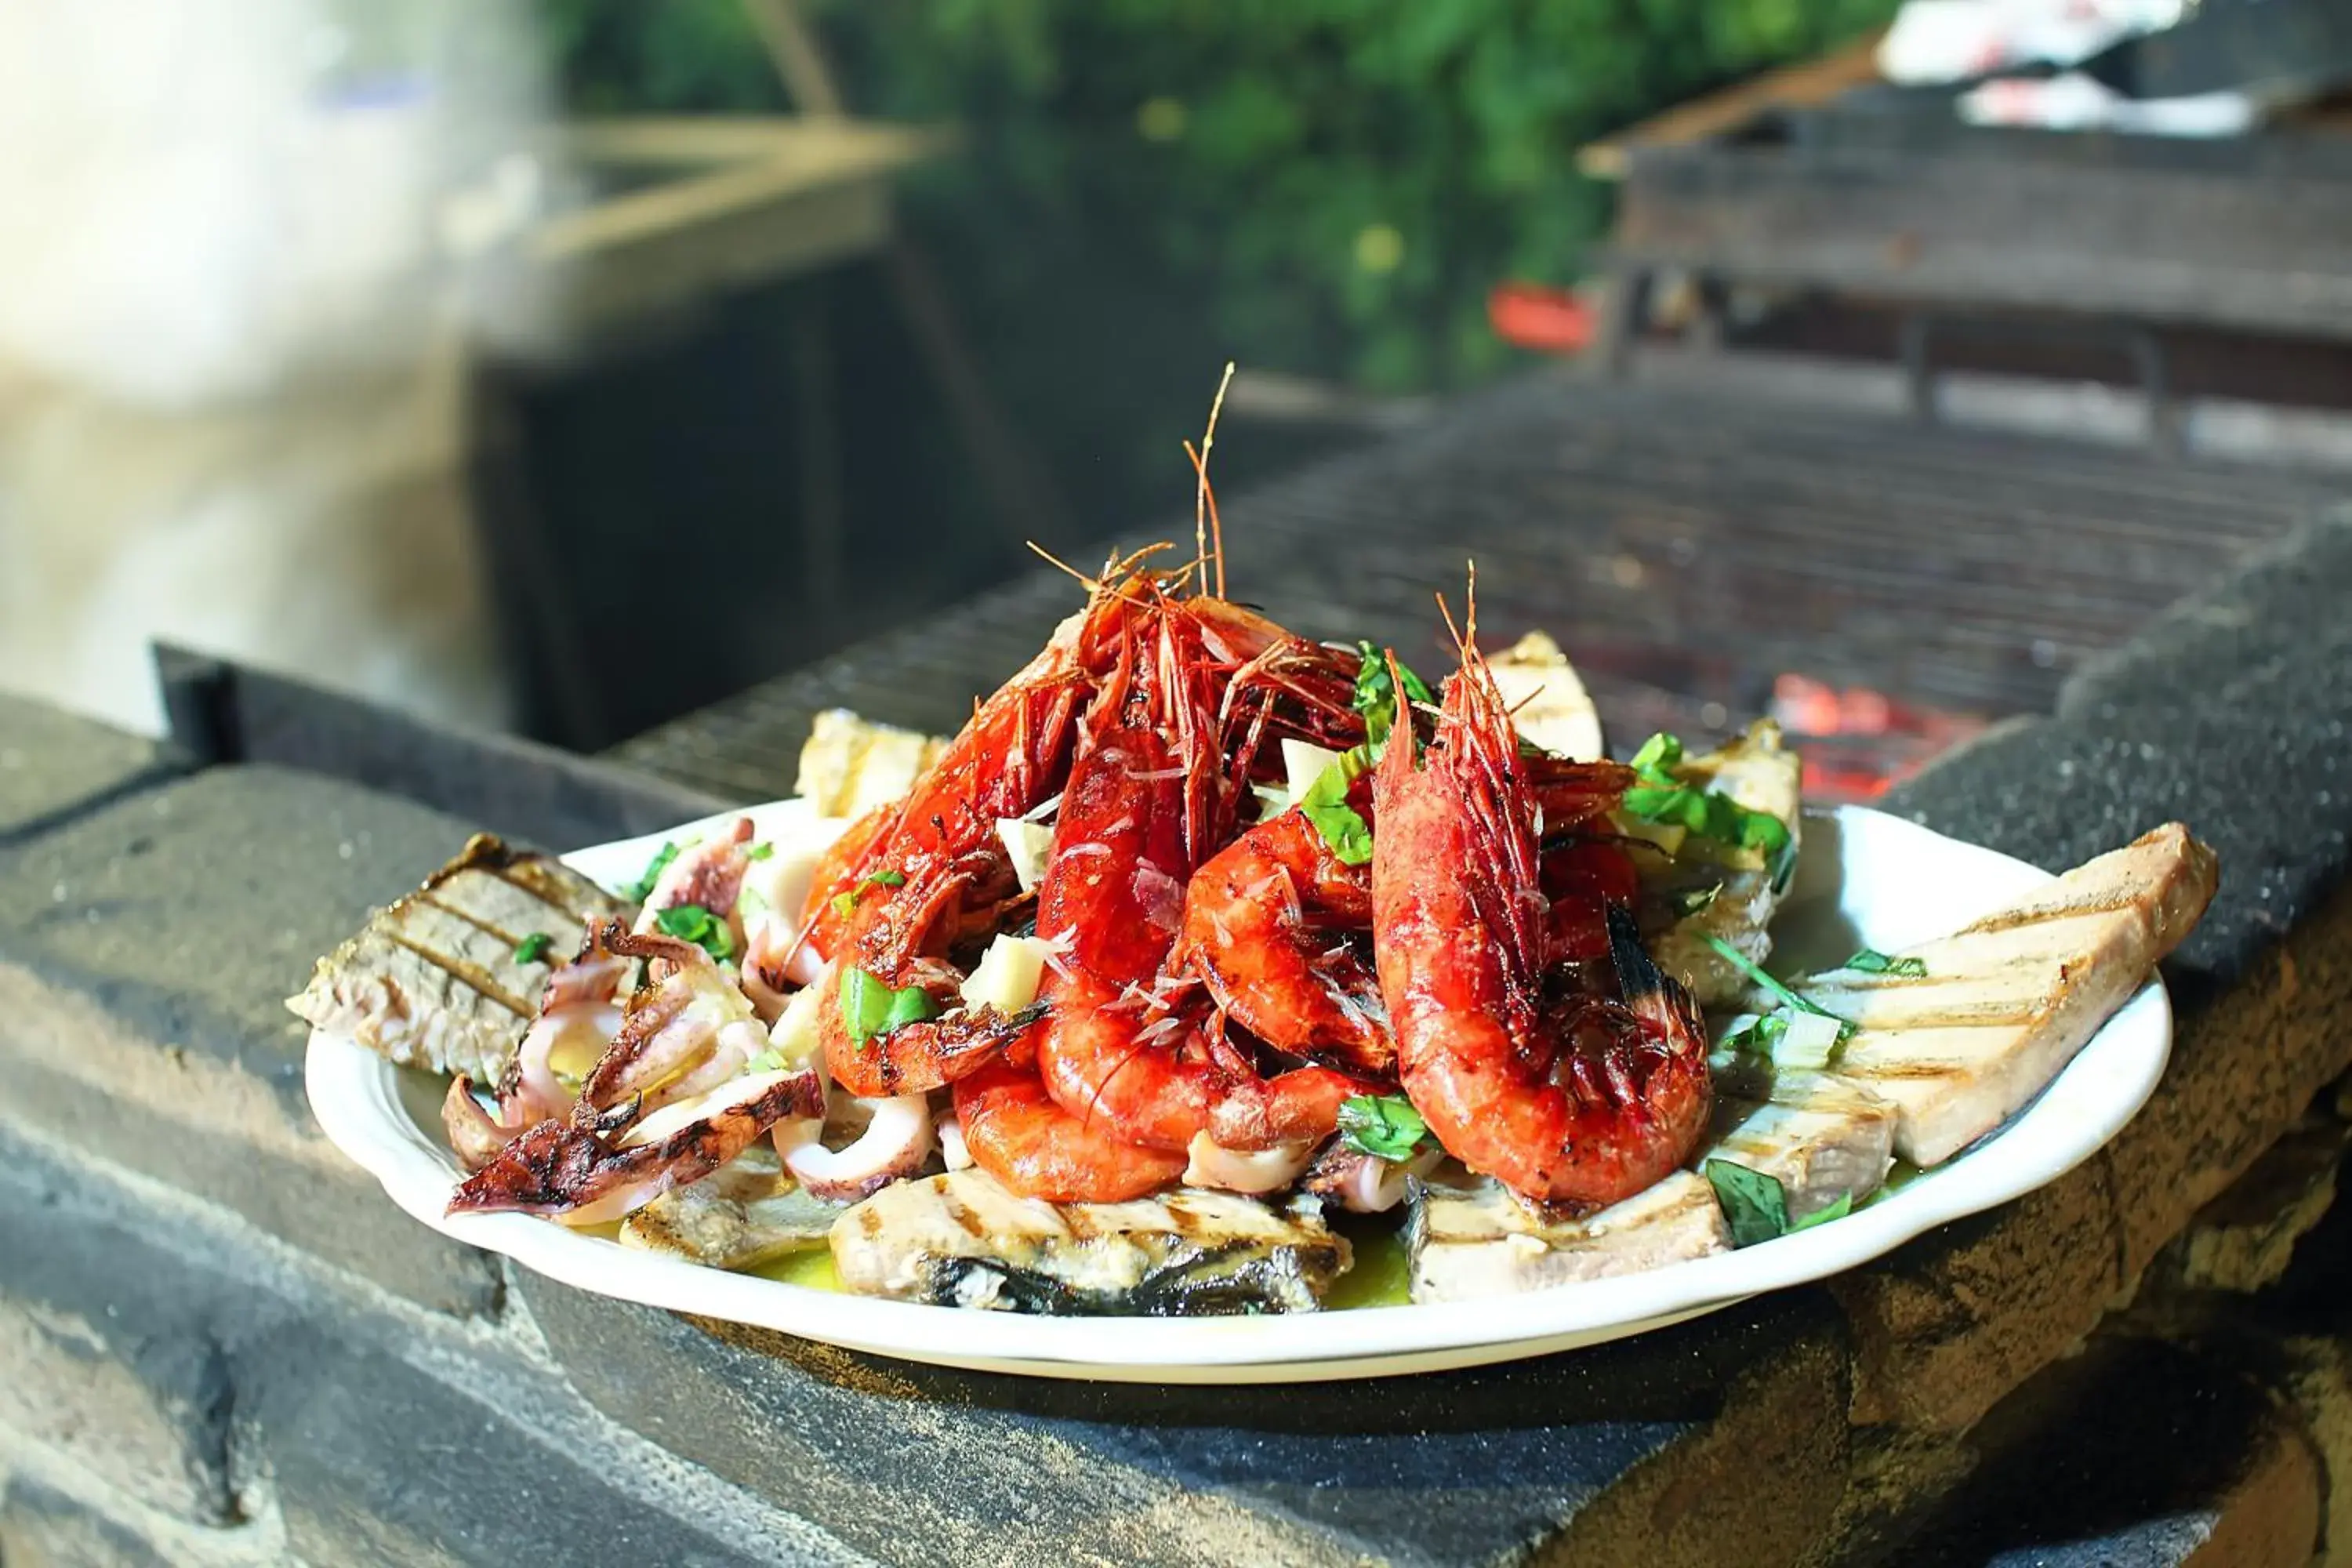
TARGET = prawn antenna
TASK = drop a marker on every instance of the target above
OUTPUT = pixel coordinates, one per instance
(1089, 583)
(1208, 532)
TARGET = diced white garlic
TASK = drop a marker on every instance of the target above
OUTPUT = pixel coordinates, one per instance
(1007, 975)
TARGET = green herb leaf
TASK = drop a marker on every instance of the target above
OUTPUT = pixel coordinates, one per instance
(1384, 1126)
(760, 851)
(766, 1061)
(1659, 754)
(1837, 1208)
(1376, 697)
(1691, 900)
(1753, 1203)
(1326, 805)
(870, 1008)
(1870, 961)
(1663, 798)
(693, 923)
(1759, 1035)
(639, 891)
(1756, 1204)
(1748, 967)
(532, 948)
(845, 902)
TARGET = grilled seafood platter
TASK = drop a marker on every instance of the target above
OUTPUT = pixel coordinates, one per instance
(1206, 961)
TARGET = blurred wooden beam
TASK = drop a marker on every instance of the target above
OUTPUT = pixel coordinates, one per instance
(1799, 86)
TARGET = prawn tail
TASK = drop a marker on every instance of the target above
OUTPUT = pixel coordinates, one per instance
(1655, 997)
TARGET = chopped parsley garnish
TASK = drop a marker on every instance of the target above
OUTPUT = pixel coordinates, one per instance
(1376, 697)
(532, 948)
(693, 923)
(1692, 900)
(766, 1061)
(1662, 798)
(760, 851)
(1870, 961)
(1756, 1204)
(1326, 805)
(639, 891)
(845, 902)
(870, 1008)
(1384, 1126)
(1749, 966)
(1758, 1035)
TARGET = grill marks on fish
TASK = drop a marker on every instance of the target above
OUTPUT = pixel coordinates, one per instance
(433, 981)
(1473, 1237)
(2008, 1000)
(965, 1240)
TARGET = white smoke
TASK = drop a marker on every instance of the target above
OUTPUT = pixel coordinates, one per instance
(240, 244)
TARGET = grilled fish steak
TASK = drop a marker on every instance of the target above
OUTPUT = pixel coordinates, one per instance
(964, 1239)
(435, 981)
(1820, 1137)
(1473, 1240)
(1763, 775)
(2007, 1001)
(748, 1211)
(850, 766)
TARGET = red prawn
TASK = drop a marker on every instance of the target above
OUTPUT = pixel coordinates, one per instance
(1566, 1096)
(1144, 804)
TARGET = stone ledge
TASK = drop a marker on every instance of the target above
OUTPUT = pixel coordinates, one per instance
(1641, 1450)
(2139, 1452)
(1952, 1322)
(369, 1432)
(144, 951)
(53, 764)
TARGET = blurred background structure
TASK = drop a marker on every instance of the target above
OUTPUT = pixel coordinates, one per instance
(470, 355)
(297, 360)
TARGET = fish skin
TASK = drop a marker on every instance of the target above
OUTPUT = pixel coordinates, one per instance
(964, 1239)
(747, 1213)
(433, 981)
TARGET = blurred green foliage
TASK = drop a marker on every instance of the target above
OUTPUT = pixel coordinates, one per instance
(1332, 183)
(1151, 187)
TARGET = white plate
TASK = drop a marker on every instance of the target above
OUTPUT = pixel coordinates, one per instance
(1865, 879)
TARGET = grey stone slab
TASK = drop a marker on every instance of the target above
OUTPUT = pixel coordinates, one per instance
(130, 1382)
(2232, 713)
(377, 1439)
(914, 1464)
(2276, 634)
(195, 910)
(145, 951)
(53, 764)
(2134, 1455)
(42, 1527)
(2271, 791)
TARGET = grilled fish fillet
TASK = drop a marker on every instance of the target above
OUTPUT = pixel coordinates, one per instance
(1761, 775)
(433, 982)
(747, 1213)
(964, 1239)
(1476, 1240)
(2008, 1001)
(850, 766)
(1549, 704)
(1820, 1137)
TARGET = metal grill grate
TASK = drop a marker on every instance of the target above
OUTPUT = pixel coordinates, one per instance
(1685, 548)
